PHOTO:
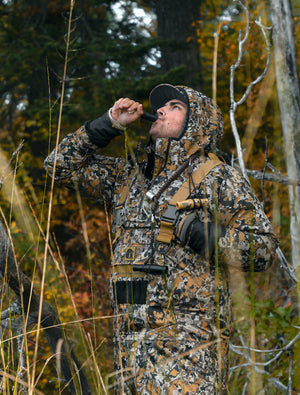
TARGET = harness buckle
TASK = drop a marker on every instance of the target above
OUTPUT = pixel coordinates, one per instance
(170, 214)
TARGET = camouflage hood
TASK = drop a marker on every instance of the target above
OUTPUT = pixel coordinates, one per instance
(202, 129)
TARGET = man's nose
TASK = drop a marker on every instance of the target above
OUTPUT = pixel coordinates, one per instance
(161, 111)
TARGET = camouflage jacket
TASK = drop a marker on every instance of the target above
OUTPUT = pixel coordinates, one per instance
(190, 301)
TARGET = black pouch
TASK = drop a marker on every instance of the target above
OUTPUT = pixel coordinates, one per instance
(130, 292)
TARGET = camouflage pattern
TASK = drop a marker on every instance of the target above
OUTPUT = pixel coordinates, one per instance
(171, 330)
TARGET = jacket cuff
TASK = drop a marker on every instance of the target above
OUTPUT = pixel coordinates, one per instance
(101, 131)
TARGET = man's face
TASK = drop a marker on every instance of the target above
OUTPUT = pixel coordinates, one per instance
(170, 120)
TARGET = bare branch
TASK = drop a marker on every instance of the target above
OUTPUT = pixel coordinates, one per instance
(285, 265)
(258, 175)
(244, 351)
(277, 384)
(280, 350)
(245, 387)
(233, 68)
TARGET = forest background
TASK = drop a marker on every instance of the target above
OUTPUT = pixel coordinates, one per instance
(123, 49)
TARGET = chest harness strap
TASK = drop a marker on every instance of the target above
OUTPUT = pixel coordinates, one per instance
(179, 201)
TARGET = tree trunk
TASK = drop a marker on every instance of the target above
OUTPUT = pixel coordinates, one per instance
(177, 24)
(289, 102)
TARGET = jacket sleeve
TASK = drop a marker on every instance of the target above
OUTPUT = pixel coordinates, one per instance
(78, 166)
(248, 242)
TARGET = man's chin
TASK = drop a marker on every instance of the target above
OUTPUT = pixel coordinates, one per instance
(153, 134)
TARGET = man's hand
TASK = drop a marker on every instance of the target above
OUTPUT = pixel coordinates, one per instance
(125, 111)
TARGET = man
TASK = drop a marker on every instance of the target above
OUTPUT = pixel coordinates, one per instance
(179, 218)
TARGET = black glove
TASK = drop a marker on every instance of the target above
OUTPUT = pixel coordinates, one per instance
(201, 237)
(101, 131)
